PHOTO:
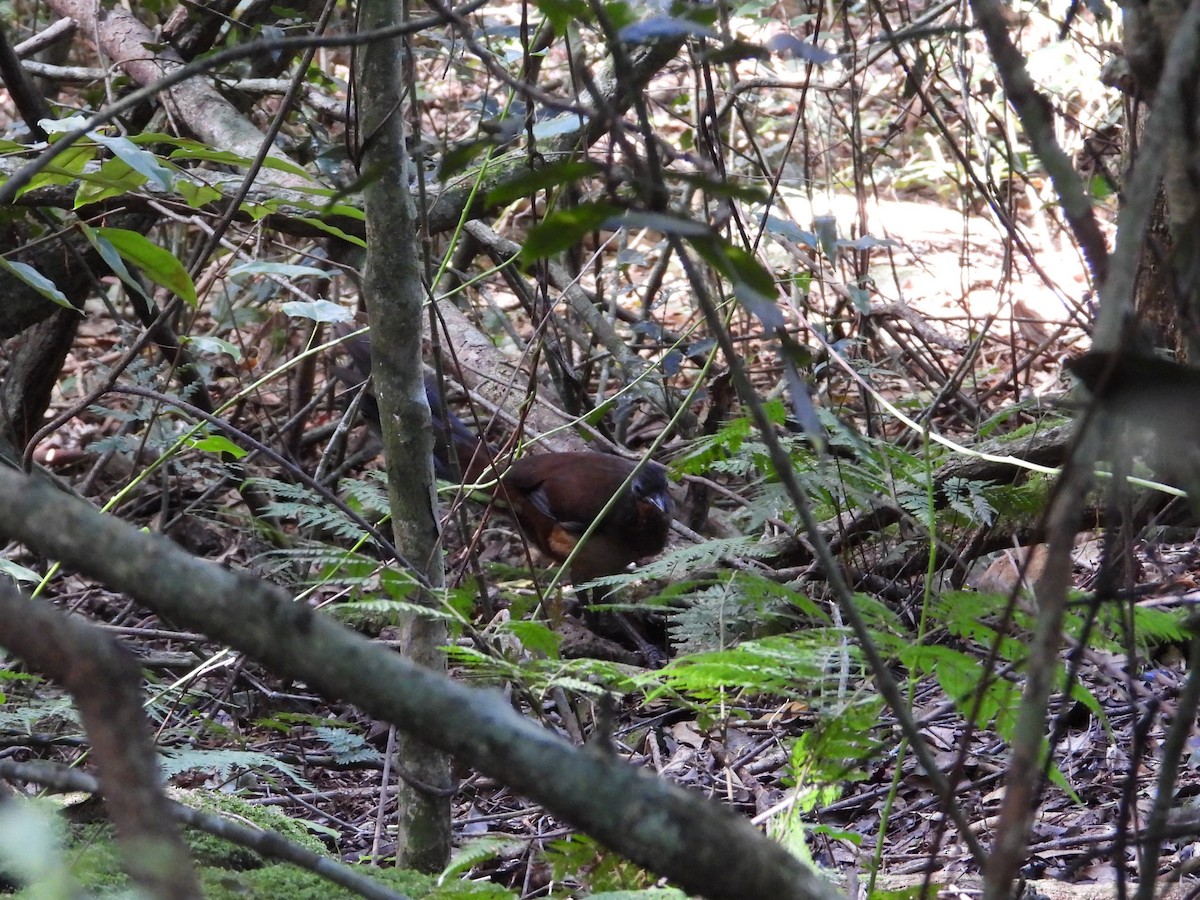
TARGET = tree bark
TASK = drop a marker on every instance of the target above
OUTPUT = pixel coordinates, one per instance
(395, 295)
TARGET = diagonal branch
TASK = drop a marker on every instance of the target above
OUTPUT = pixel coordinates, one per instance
(705, 848)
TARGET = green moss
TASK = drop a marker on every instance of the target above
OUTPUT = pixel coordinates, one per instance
(290, 883)
(229, 872)
(267, 818)
(94, 859)
(207, 850)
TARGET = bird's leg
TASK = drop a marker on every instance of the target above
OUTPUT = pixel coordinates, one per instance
(555, 607)
(654, 657)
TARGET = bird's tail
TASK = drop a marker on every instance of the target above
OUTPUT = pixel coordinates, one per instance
(458, 453)
(453, 440)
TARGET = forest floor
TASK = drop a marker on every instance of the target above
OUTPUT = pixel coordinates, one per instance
(325, 764)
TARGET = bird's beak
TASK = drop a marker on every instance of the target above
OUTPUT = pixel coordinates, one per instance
(662, 501)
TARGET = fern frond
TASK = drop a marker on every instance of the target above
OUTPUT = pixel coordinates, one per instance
(483, 849)
(347, 746)
(686, 559)
(225, 764)
(588, 676)
(40, 713)
(737, 606)
(796, 666)
(297, 503)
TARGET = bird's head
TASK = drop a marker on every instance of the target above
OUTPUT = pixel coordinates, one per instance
(650, 487)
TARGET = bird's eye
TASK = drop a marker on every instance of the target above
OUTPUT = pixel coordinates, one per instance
(642, 490)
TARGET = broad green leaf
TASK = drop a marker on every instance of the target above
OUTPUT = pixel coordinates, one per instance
(1100, 187)
(861, 298)
(113, 260)
(565, 13)
(256, 211)
(1059, 780)
(285, 270)
(788, 229)
(541, 179)
(217, 444)
(827, 231)
(16, 572)
(598, 413)
(341, 209)
(868, 242)
(63, 125)
(196, 194)
(564, 228)
(136, 158)
(226, 158)
(65, 169)
(317, 311)
(115, 179)
(797, 357)
(157, 264)
(459, 156)
(664, 222)
(752, 283)
(37, 281)
(161, 138)
(322, 225)
(536, 637)
(214, 345)
(620, 13)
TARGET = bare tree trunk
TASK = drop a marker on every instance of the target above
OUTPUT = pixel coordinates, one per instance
(1165, 290)
(394, 297)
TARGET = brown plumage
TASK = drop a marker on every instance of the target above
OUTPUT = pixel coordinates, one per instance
(552, 497)
(555, 497)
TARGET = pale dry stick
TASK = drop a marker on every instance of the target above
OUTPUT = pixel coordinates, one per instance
(63, 74)
(389, 754)
(61, 30)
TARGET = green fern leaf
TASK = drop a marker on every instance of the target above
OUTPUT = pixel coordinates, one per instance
(225, 764)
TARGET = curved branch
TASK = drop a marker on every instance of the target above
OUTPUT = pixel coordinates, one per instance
(705, 848)
(105, 681)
